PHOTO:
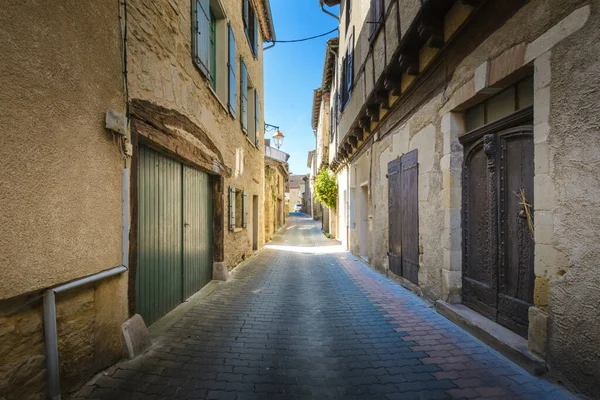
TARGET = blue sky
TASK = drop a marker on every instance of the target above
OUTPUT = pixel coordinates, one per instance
(293, 71)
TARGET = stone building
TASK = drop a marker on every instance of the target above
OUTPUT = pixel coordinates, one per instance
(62, 190)
(296, 191)
(276, 181)
(465, 140)
(322, 123)
(142, 151)
(196, 87)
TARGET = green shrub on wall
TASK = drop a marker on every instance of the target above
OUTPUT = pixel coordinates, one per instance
(326, 189)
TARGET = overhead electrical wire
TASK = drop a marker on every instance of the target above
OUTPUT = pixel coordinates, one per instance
(305, 39)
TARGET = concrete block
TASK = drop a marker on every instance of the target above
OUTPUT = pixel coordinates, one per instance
(549, 261)
(544, 227)
(540, 132)
(481, 76)
(506, 64)
(540, 292)
(541, 105)
(544, 192)
(220, 271)
(136, 337)
(453, 260)
(451, 286)
(537, 333)
(541, 158)
(566, 27)
(542, 71)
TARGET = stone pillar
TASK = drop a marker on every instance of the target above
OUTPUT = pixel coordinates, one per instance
(547, 257)
(451, 168)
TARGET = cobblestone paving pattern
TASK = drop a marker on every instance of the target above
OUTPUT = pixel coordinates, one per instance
(304, 320)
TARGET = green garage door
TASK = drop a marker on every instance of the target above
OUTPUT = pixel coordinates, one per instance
(174, 234)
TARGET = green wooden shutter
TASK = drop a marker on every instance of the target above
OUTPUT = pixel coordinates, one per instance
(231, 66)
(244, 210)
(256, 119)
(245, 7)
(231, 208)
(243, 96)
(202, 36)
(350, 66)
(255, 44)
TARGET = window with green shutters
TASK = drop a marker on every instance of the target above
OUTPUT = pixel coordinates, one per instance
(213, 50)
(238, 209)
(202, 36)
(250, 26)
(256, 119)
(243, 96)
(231, 66)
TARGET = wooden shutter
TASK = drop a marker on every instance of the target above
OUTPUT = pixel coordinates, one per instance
(231, 65)
(350, 65)
(375, 17)
(256, 119)
(202, 36)
(409, 213)
(244, 210)
(231, 208)
(342, 95)
(245, 13)
(255, 44)
(243, 96)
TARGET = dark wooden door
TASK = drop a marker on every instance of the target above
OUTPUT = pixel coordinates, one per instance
(403, 209)
(498, 245)
(516, 248)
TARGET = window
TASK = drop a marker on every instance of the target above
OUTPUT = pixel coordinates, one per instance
(231, 102)
(348, 13)
(347, 74)
(243, 96)
(238, 209)
(500, 105)
(376, 15)
(209, 38)
(249, 106)
(250, 26)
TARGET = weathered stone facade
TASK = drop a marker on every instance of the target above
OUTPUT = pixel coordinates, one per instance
(276, 180)
(163, 73)
(61, 190)
(485, 48)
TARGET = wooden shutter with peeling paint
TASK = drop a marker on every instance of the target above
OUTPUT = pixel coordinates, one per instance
(244, 210)
(231, 65)
(231, 208)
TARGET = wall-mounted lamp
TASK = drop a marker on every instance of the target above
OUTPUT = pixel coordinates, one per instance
(277, 136)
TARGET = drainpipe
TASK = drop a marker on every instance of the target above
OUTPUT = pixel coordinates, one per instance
(328, 12)
(50, 334)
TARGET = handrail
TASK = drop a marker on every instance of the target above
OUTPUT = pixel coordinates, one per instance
(50, 332)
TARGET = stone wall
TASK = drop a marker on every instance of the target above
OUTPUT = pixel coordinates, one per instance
(275, 180)
(162, 72)
(60, 207)
(558, 42)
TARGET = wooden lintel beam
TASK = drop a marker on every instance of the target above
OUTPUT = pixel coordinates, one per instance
(409, 63)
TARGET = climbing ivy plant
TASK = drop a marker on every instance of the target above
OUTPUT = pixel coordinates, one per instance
(326, 188)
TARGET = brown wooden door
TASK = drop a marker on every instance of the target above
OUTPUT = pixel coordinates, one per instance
(404, 216)
(497, 243)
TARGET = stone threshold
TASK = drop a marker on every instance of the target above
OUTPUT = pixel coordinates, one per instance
(501, 339)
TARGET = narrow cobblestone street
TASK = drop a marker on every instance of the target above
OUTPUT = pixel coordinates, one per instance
(303, 319)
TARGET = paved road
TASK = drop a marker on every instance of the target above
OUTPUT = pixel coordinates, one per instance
(303, 319)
